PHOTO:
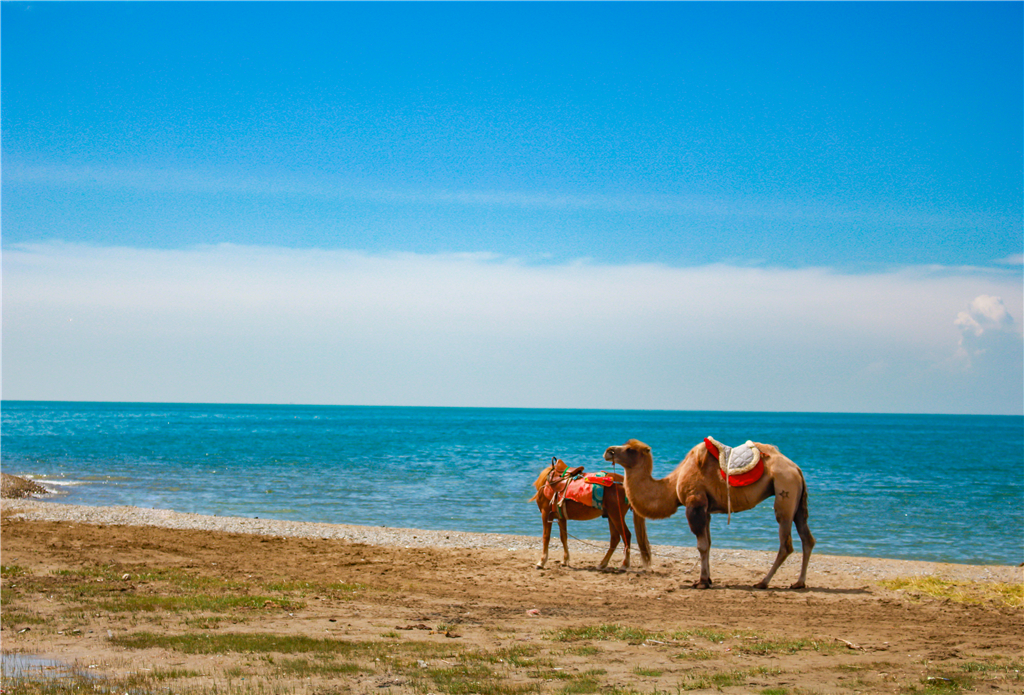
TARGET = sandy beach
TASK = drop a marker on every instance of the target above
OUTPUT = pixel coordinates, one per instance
(323, 608)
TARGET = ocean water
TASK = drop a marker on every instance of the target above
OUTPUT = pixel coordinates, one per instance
(923, 487)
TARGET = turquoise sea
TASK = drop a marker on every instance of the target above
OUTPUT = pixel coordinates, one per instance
(924, 487)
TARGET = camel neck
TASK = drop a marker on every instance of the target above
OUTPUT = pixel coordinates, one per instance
(654, 499)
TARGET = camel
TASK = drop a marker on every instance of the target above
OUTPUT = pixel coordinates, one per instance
(697, 484)
(615, 507)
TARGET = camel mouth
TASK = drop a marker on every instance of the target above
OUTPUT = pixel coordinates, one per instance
(610, 455)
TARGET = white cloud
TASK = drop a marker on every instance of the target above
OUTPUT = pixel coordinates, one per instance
(986, 327)
(254, 324)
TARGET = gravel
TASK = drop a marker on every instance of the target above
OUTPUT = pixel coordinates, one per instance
(13, 487)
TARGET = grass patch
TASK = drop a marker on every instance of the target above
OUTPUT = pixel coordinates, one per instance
(269, 644)
(754, 643)
(339, 590)
(959, 591)
(240, 643)
(583, 650)
(10, 571)
(1014, 666)
(78, 680)
(552, 674)
(581, 685)
(158, 675)
(942, 685)
(622, 633)
(463, 679)
(196, 603)
(519, 655)
(301, 668)
(648, 672)
(12, 619)
(978, 667)
(763, 645)
(120, 589)
(724, 679)
(145, 575)
(711, 635)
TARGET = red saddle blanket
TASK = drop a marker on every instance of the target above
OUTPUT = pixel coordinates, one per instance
(749, 467)
(602, 478)
(587, 489)
(581, 491)
(748, 478)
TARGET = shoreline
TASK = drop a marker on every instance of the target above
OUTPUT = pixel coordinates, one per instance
(865, 568)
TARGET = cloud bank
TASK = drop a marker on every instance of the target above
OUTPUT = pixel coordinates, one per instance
(271, 325)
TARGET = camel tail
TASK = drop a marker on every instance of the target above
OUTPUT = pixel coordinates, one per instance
(802, 511)
(640, 526)
(539, 482)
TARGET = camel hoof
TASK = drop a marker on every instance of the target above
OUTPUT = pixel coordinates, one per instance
(798, 585)
(539, 566)
(761, 585)
(702, 584)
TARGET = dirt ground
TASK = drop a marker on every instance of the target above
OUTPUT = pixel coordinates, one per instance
(426, 620)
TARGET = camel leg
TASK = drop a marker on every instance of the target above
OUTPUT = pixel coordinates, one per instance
(700, 523)
(617, 511)
(785, 509)
(545, 540)
(625, 538)
(785, 550)
(640, 525)
(612, 544)
(563, 533)
(806, 540)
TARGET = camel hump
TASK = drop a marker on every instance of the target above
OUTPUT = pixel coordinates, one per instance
(767, 449)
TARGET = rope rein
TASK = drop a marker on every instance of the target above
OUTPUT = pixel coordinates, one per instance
(728, 488)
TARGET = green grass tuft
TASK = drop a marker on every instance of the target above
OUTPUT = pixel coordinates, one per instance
(621, 633)
(960, 591)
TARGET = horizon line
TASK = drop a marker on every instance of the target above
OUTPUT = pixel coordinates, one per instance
(499, 407)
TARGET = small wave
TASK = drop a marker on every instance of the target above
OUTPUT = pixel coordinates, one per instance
(55, 486)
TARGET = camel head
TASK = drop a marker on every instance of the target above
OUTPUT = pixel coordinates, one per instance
(629, 455)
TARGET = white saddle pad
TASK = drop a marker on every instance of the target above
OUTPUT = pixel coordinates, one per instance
(734, 460)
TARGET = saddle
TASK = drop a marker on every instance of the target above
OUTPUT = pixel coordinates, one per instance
(741, 465)
(571, 483)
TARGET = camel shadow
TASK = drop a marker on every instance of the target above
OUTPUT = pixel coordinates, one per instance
(782, 590)
(594, 569)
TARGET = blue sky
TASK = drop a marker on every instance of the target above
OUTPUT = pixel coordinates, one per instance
(208, 190)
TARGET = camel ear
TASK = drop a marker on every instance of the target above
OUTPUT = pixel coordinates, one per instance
(647, 449)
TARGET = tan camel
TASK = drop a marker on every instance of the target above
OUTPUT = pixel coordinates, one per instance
(697, 484)
(615, 508)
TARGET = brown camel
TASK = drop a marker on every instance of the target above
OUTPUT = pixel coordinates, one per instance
(697, 484)
(615, 507)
